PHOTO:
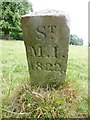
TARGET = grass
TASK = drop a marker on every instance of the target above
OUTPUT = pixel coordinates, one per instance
(19, 100)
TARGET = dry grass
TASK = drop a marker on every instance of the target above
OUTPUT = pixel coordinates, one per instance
(19, 100)
(44, 102)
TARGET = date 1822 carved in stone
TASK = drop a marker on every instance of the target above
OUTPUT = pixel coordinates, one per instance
(46, 37)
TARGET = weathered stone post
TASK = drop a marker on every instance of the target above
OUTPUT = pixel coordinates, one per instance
(46, 38)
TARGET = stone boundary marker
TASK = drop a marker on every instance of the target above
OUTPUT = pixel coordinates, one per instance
(46, 37)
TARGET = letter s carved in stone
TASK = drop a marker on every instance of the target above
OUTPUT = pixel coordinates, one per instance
(41, 32)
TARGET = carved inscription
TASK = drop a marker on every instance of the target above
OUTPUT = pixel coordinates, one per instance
(46, 66)
(40, 52)
(46, 38)
(36, 52)
(43, 30)
(56, 51)
(39, 66)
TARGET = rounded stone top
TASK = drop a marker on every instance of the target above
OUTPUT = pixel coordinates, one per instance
(48, 12)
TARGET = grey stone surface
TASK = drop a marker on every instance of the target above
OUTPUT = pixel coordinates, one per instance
(46, 38)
